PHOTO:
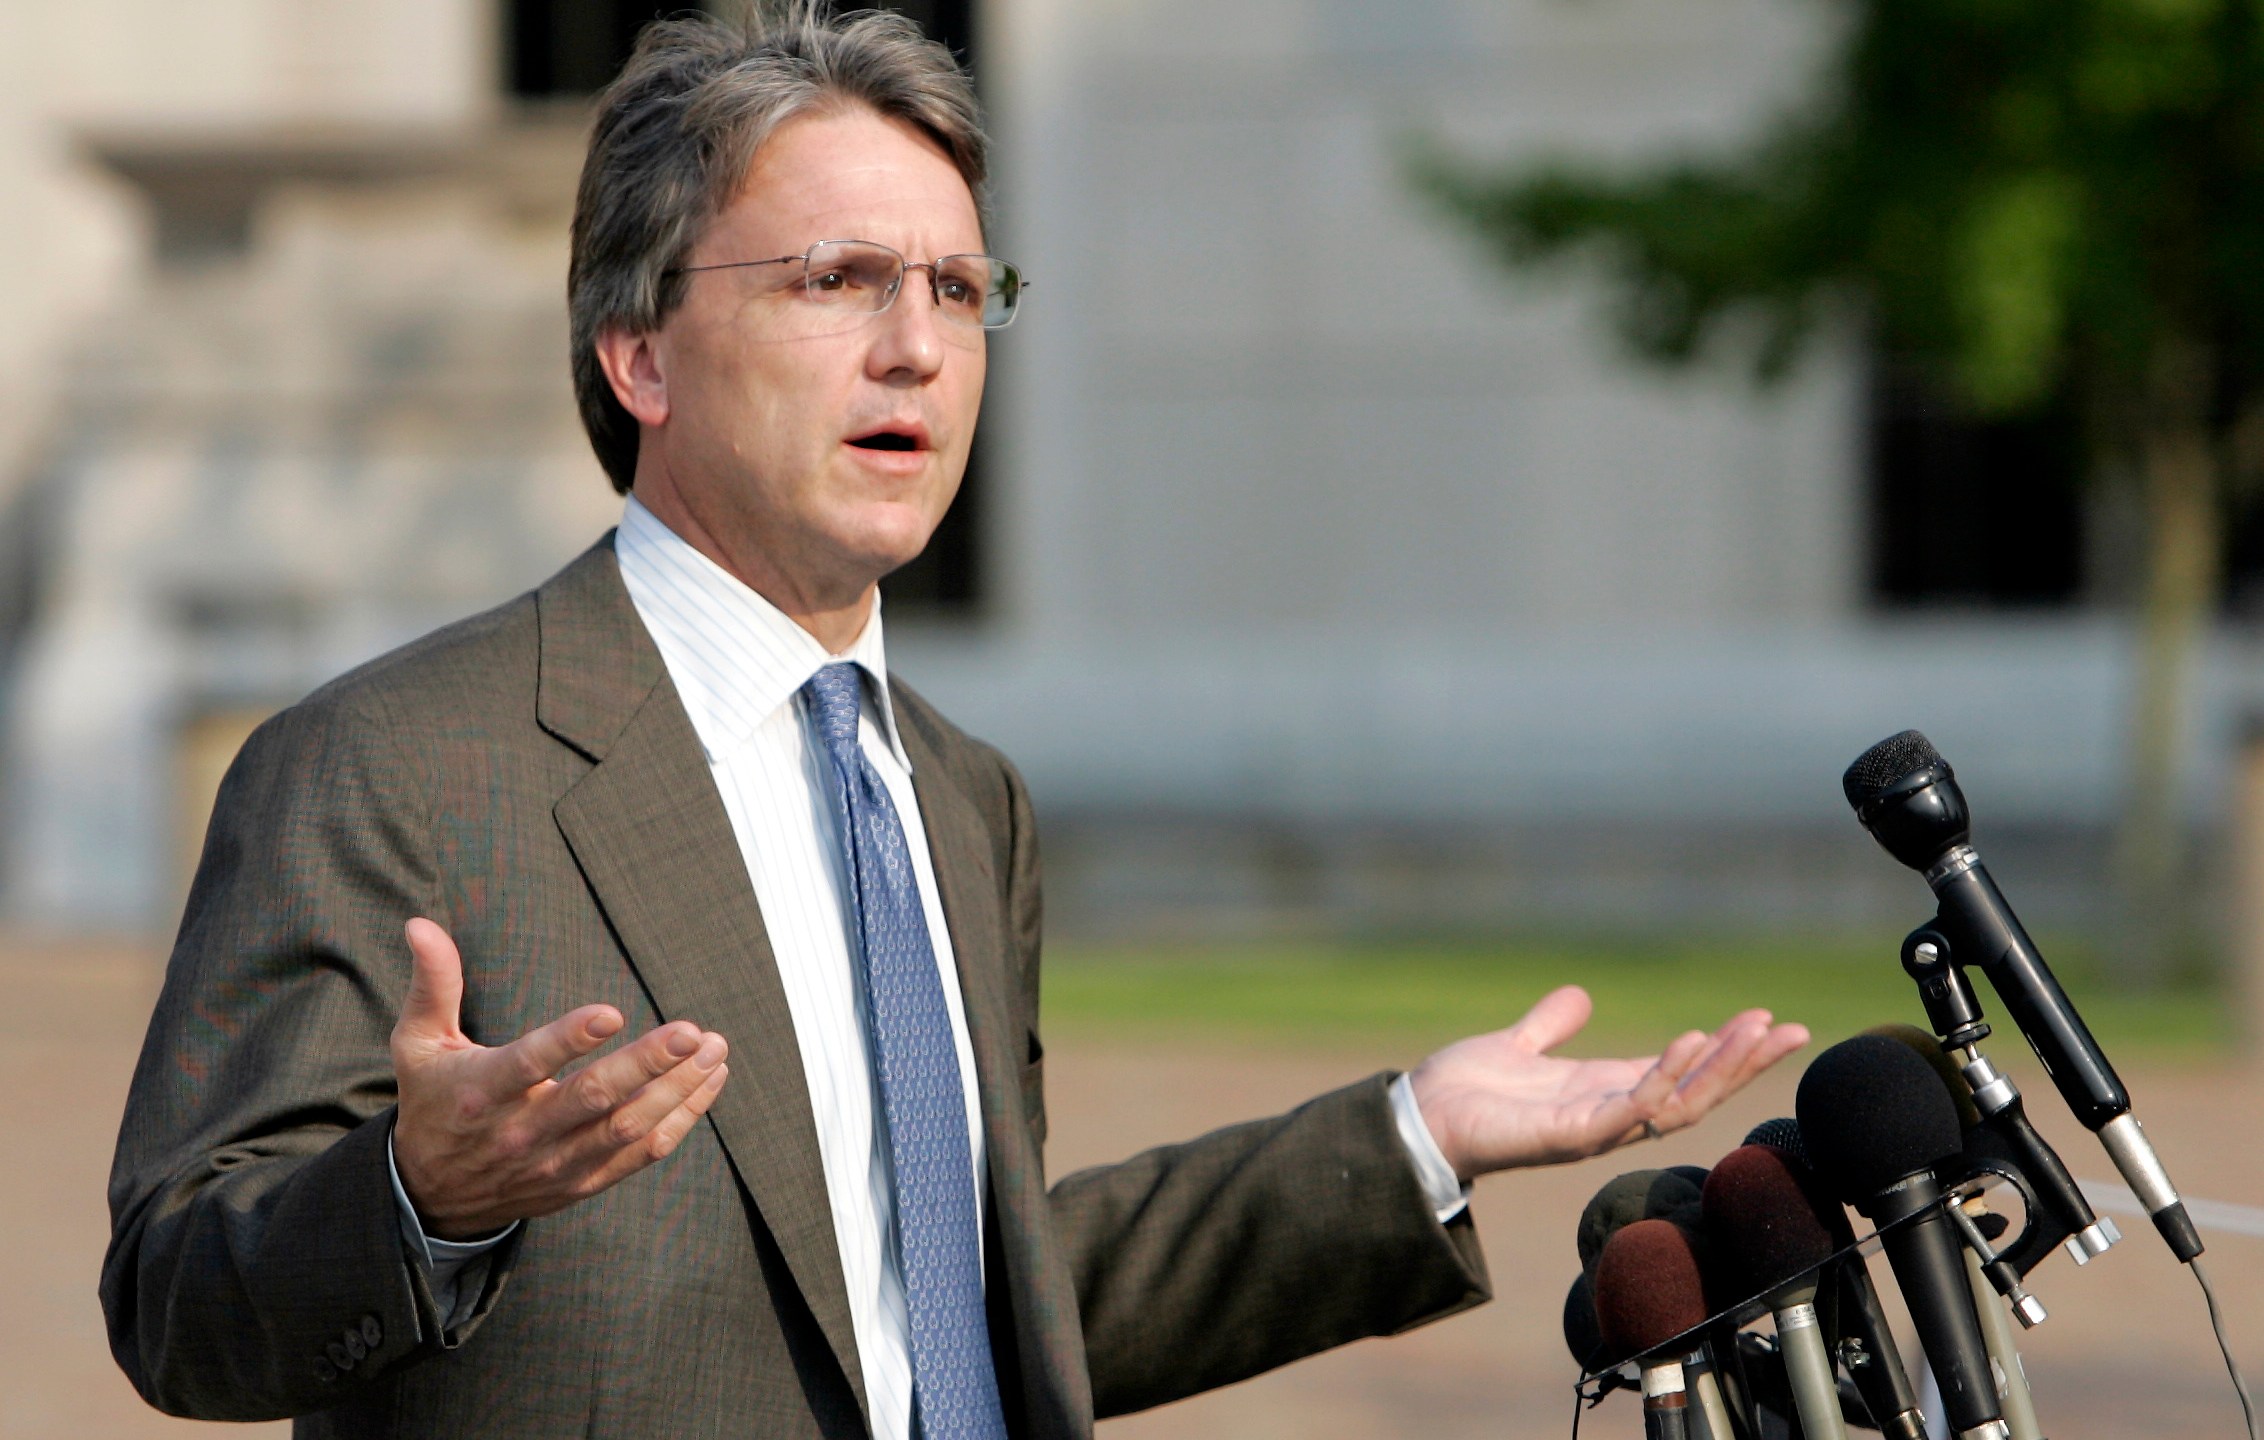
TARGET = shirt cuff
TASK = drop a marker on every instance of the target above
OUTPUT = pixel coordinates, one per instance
(445, 1261)
(1448, 1195)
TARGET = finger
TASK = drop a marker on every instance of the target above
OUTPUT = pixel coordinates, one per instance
(630, 1090)
(1656, 1090)
(1782, 1040)
(641, 1114)
(513, 1069)
(1775, 1042)
(436, 985)
(1618, 1118)
(1555, 1018)
(1719, 1070)
(662, 1140)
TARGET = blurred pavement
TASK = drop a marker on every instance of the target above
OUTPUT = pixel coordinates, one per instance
(2126, 1353)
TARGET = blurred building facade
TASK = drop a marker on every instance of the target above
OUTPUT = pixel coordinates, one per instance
(1313, 568)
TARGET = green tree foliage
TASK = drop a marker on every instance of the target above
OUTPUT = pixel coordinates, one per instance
(2024, 198)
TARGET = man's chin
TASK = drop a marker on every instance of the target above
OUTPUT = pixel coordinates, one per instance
(886, 543)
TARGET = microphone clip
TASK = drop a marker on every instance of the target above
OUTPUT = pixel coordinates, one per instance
(1953, 1011)
(2003, 1278)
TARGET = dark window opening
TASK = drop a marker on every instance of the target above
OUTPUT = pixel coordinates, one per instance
(2243, 518)
(1967, 511)
(573, 47)
(560, 49)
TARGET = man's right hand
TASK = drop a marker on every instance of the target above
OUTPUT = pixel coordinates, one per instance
(485, 1136)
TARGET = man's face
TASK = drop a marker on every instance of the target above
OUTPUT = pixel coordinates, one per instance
(819, 461)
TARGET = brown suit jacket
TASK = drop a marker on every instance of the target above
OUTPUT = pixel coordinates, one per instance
(529, 779)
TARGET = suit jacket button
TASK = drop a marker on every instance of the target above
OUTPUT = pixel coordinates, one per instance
(373, 1334)
(339, 1355)
(324, 1371)
(356, 1346)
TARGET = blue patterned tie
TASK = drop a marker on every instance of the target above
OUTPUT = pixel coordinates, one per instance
(954, 1386)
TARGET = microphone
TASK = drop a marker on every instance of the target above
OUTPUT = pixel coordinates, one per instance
(1930, 1050)
(1650, 1295)
(1782, 1133)
(1875, 1121)
(1907, 796)
(1585, 1339)
(1671, 1194)
(1986, 1269)
(2005, 1136)
(1582, 1335)
(1865, 1340)
(1769, 1236)
(1637, 1195)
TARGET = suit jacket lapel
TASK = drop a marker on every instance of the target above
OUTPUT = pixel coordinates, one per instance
(657, 847)
(959, 845)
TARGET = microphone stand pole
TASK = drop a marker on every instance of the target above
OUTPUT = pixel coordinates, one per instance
(1711, 1415)
(1998, 1296)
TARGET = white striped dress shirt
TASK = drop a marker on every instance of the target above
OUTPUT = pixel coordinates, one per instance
(739, 663)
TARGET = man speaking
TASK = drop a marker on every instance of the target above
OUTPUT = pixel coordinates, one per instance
(658, 863)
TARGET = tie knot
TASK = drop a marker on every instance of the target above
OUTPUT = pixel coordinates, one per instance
(835, 693)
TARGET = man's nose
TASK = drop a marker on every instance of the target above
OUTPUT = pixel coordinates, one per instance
(910, 346)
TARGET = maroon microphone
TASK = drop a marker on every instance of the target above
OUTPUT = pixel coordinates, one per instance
(1772, 1238)
(1649, 1290)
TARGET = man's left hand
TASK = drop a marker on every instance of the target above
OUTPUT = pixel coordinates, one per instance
(1498, 1101)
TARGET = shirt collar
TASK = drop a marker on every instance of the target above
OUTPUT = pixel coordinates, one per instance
(735, 657)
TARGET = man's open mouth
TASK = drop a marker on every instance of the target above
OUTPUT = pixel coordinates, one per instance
(885, 440)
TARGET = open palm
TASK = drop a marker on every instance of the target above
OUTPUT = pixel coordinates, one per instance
(1500, 1100)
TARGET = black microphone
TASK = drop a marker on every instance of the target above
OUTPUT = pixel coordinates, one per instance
(1582, 1335)
(1875, 1122)
(2004, 1137)
(1906, 795)
(1861, 1336)
(1782, 1133)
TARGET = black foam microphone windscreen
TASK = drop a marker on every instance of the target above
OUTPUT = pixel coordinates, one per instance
(2007, 1134)
(1582, 1336)
(1930, 1050)
(1871, 1113)
(1877, 1122)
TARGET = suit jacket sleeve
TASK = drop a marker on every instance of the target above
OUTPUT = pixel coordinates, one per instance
(1200, 1264)
(254, 1233)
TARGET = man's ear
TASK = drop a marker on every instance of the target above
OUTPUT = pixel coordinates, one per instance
(632, 367)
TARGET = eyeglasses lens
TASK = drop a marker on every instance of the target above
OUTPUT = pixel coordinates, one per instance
(857, 276)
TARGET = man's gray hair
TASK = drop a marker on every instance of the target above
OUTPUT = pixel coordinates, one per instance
(674, 136)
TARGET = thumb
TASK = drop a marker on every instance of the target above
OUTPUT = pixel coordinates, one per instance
(1555, 1018)
(436, 984)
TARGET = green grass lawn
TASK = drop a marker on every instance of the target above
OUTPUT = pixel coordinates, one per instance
(1646, 991)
